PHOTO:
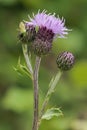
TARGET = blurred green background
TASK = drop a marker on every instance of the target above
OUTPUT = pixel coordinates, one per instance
(16, 96)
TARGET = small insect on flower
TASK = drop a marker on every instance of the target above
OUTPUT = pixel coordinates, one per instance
(49, 27)
(26, 33)
(22, 27)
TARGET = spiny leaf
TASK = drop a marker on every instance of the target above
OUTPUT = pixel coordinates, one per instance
(22, 69)
(50, 113)
(51, 81)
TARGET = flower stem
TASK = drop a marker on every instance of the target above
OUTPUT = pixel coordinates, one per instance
(51, 89)
(28, 63)
(36, 95)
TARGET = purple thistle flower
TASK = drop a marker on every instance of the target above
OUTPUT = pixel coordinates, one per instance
(49, 27)
(50, 22)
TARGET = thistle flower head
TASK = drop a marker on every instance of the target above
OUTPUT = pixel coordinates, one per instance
(48, 27)
(65, 60)
(49, 21)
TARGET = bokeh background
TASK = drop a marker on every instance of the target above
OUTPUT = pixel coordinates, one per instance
(16, 95)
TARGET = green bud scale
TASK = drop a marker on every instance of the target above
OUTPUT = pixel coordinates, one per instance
(65, 61)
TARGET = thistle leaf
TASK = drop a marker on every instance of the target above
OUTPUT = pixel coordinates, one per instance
(51, 81)
(22, 69)
(50, 113)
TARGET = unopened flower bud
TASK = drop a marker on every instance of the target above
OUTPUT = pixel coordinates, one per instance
(43, 41)
(65, 61)
(26, 33)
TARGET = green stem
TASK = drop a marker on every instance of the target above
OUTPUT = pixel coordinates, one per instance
(28, 63)
(51, 89)
(36, 94)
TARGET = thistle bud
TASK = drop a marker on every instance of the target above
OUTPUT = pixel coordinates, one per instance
(43, 41)
(65, 61)
(26, 33)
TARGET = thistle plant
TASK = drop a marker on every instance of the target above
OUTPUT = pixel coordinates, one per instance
(36, 37)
